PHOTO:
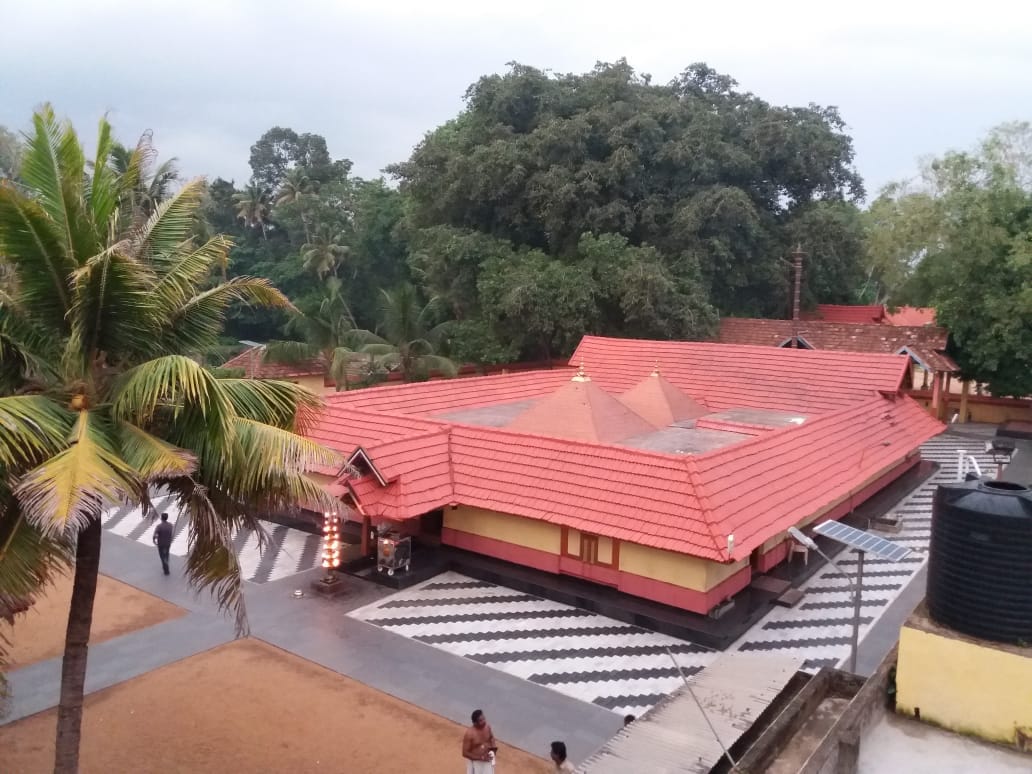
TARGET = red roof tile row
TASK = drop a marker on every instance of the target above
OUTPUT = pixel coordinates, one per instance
(848, 314)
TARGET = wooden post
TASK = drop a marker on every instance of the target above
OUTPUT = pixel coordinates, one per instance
(936, 405)
(366, 526)
(965, 387)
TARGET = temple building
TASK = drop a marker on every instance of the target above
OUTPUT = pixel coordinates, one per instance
(666, 470)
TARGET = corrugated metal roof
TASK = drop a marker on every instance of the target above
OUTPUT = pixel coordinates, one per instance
(674, 737)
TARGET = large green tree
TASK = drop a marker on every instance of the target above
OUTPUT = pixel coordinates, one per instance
(100, 400)
(962, 234)
(715, 181)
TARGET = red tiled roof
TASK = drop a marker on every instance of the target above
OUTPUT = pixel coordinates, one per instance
(682, 503)
(923, 342)
(841, 313)
(581, 410)
(911, 315)
(660, 402)
(723, 377)
(763, 486)
(256, 367)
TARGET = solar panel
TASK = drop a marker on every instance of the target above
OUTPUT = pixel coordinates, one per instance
(862, 541)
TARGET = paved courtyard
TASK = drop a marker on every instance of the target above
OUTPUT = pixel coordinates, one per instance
(289, 551)
(625, 668)
(615, 665)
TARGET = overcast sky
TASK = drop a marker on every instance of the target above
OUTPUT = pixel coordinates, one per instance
(209, 77)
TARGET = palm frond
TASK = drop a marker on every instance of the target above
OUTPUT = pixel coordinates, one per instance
(280, 404)
(61, 495)
(440, 364)
(379, 350)
(29, 562)
(113, 309)
(171, 225)
(183, 274)
(196, 324)
(210, 561)
(181, 386)
(27, 353)
(104, 187)
(32, 428)
(269, 451)
(54, 167)
(290, 352)
(151, 457)
(31, 244)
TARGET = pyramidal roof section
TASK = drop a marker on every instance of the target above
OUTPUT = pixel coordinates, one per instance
(583, 411)
(660, 402)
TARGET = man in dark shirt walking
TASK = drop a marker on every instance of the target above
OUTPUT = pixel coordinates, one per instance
(163, 540)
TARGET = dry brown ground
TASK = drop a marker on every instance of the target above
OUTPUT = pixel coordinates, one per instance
(118, 609)
(249, 707)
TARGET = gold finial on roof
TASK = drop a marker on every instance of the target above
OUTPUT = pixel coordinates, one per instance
(655, 371)
(580, 376)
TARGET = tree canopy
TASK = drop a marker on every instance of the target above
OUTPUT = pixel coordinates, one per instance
(690, 191)
(959, 238)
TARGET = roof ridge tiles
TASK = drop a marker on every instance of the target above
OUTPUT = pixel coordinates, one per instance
(705, 506)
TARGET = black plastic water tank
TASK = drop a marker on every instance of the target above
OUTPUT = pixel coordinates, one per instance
(980, 560)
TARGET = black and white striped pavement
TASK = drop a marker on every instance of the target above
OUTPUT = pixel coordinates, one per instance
(625, 668)
(288, 551)
(819, 628)
(596, 659)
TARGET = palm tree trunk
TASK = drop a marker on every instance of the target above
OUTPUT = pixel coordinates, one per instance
(77, 637)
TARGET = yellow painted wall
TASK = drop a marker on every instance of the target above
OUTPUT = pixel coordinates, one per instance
(605, 550)
(313, 383)
(573, 542)
(963, 686)
(529, 533)
(679, 569)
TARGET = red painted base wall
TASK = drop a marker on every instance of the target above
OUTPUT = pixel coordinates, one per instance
(499, 549)
(637, 585)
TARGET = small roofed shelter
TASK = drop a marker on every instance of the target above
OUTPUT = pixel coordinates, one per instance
(683, 513)
(925, 345)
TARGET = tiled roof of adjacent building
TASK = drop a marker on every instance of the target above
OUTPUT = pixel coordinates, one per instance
(926, 344)
(911, 315)
(848, 314)
(255, 366)
(754, 485)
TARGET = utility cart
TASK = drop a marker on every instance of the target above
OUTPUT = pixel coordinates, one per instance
(393, 552)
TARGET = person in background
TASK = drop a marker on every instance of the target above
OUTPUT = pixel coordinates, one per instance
(479, 746)
(628, 719)
(562, 765)
(163, 540)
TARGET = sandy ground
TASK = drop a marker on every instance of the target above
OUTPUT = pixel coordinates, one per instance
(250, 707)
(118, 609)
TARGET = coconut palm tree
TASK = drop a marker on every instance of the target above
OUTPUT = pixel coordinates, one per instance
(146, 185)
(252, 206)
(101, 403)
(328, 334)
(295, 189)
(409, 334)
(324, 253)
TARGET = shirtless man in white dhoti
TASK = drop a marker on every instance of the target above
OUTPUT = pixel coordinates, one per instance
(479, 746)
